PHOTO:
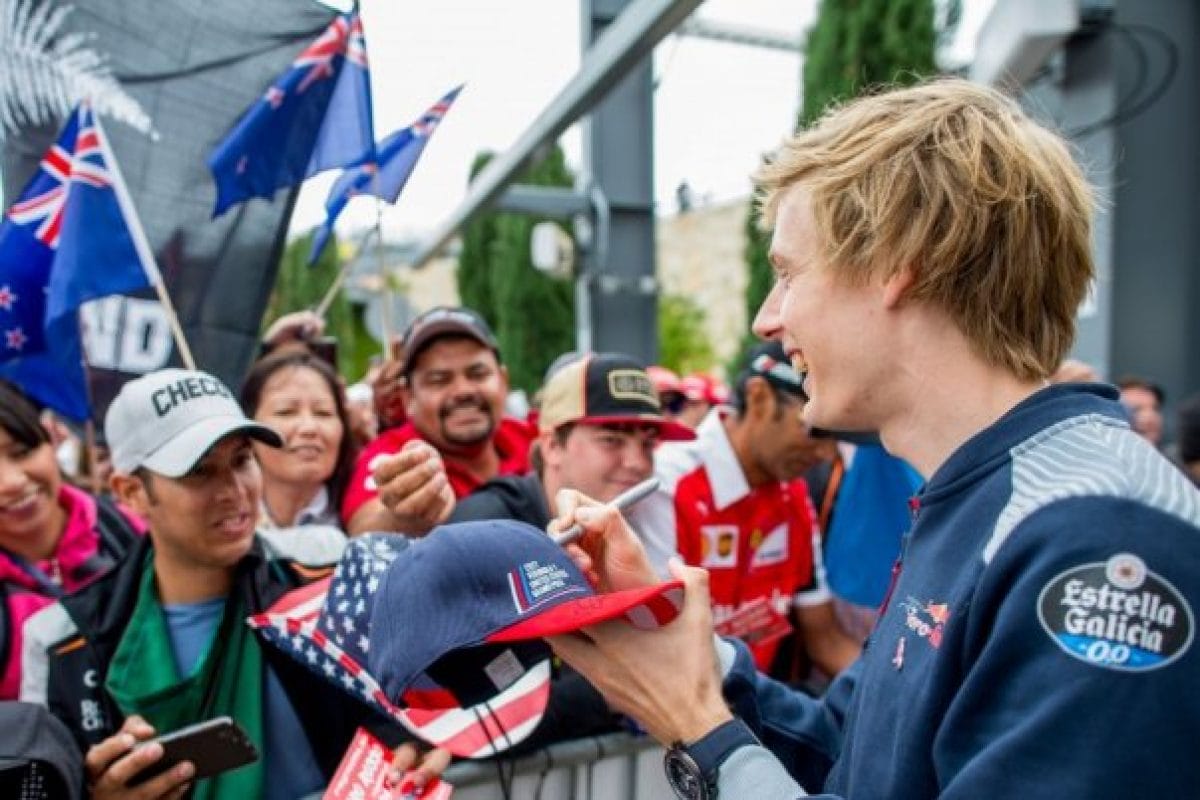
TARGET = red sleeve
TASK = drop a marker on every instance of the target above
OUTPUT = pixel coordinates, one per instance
(361, 488)
(688, 538)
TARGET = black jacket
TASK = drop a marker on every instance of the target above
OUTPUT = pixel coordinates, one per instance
(77, 662)
(509, 497)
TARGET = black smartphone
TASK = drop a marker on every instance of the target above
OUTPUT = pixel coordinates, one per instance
(213, 746)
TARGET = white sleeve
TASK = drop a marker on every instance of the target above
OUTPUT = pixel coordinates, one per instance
(653, 520)
(41, 632)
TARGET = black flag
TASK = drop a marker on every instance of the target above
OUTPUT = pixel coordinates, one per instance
(194, 68)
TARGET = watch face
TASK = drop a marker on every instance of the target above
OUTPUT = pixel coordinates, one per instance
(684, 775)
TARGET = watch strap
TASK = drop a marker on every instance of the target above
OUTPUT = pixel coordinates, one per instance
(711, 749)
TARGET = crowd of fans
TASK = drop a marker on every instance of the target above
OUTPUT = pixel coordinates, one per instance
(262, 503)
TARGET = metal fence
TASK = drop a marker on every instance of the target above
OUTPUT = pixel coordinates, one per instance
(616, 766)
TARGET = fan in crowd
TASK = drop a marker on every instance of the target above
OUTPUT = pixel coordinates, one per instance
(54, 538)
(299, 396)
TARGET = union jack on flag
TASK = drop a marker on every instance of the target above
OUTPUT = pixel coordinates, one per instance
(71, 236)
(385, 177)
(326, 627)
(314, 117)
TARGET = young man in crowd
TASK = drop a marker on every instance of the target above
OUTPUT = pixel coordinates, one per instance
(599, 424)
(160, 642)
(456, 437)
(931, 248)
(733, 502)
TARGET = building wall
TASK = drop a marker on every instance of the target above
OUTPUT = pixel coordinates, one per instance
(701, 256)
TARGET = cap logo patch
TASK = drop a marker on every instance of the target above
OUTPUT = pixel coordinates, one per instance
(171, 396)
(632, 384)
(1116, 614)
(534, 583)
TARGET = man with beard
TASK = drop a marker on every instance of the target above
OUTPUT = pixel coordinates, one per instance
(456, 438)
(734, 503)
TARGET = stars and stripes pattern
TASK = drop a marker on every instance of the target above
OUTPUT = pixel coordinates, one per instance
(385, 178)
(325, 627)
(314, 117)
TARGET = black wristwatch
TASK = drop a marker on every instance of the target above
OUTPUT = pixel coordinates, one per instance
(692, 769)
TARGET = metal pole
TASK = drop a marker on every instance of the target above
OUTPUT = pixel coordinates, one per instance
(622, 47)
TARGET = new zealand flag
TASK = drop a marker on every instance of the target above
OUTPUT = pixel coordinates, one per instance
(385, 178)
(316, 116)
(72, 236)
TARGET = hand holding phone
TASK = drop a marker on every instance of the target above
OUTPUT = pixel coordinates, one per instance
(213, 746)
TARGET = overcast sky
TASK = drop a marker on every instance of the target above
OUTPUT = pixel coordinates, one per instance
(717, 108)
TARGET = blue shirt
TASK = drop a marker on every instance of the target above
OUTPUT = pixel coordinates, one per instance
(870, 515)
(288, 760)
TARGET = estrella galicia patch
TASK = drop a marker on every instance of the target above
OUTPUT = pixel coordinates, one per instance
(1117, 614)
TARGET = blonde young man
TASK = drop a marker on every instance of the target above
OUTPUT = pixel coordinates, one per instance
(931, 246)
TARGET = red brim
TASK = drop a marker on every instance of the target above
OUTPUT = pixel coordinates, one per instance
(647, 607)
(668, 431)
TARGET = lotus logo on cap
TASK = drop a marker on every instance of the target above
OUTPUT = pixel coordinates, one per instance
(632, 384)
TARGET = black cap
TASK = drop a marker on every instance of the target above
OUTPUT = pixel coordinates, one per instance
(445, 321)
(768, 360)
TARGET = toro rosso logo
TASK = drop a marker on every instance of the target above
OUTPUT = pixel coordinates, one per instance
(1116, 614)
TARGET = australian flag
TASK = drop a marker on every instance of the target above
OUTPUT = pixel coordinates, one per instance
(72, 236)
(316, 116)
(385, 178)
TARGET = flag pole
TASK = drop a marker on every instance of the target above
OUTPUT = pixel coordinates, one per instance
(89, 442)
(142, 245)
(385, 308)
(323, 307)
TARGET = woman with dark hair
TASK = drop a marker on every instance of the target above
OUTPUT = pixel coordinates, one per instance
(54, 538)
(300, 396)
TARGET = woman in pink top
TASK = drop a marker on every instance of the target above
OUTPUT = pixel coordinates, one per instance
(54, 538)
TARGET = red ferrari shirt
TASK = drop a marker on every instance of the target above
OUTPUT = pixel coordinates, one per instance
(512, 441)
(759, 542)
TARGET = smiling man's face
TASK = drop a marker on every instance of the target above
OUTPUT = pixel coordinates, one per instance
(456, 394)
(834, 332)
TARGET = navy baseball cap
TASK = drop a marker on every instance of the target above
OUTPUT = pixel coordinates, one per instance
(325, 626)
(485, 593)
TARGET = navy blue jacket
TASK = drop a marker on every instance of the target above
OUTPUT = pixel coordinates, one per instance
(1037, 643)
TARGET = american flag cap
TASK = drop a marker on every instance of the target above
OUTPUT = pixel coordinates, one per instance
(486, 592)
(326, 627)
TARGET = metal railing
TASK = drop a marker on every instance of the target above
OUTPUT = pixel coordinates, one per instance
(616, 766)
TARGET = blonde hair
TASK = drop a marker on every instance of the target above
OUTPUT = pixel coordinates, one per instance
(954, 182)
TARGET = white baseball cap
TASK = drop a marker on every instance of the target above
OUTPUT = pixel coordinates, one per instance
(167, 420)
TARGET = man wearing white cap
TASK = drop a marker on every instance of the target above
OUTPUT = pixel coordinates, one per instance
(160, 642)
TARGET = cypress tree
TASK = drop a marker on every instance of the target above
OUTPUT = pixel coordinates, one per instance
(854, 46)
(532, 314)
(299, 286)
